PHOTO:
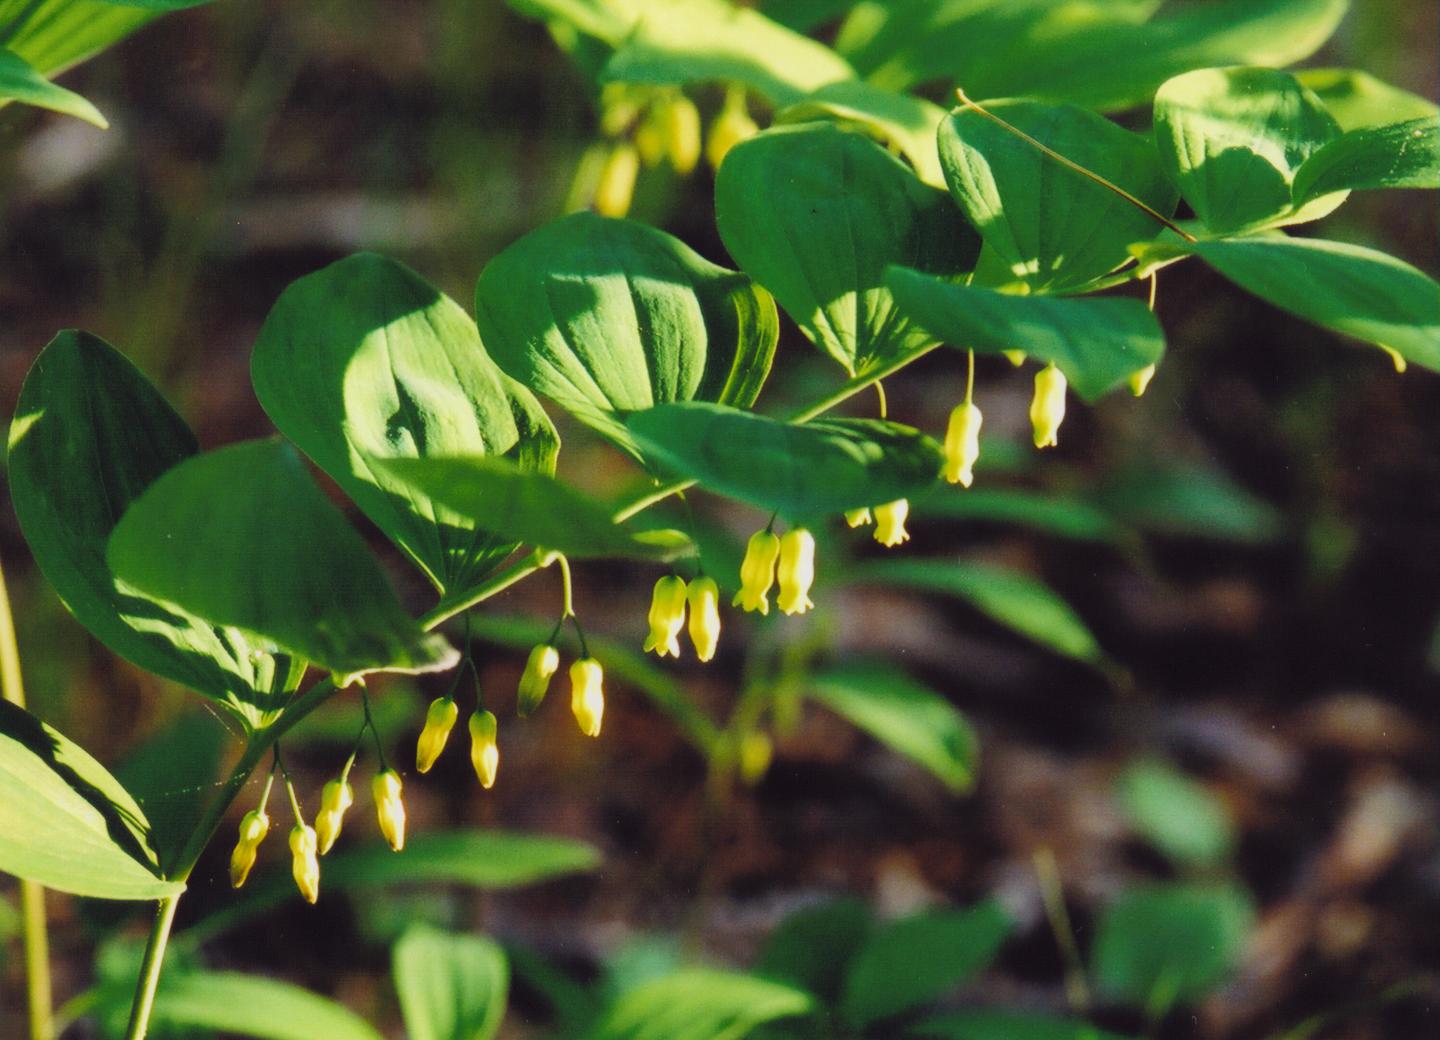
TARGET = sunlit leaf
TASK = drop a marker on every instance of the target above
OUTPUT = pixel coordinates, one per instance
(698, 1004)
(1175, 814)
(56, 34)
(1398, 155)
(904, 122)
(452, 987)
(20, 82)
(1358, 100)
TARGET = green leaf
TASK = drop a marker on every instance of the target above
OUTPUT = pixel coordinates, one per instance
(160, 5)
(1360, 292)
(242, 537)
(65, 822)
(812, 948)
(172, 776)
(366, 360)
(1052, 227)
(1013, 599)
(1098, 342)
(699, 1004)
(20, 82)
(1400, 155)
(89, 435)
(1191, 501)
(1162, 945)
(918, 959)
(815, 212)
(495, 496)
(1006, 1025)
(56, 34)
(1358, 100)
(1233, 139)
(1175, 814)
(452, 987)
(906, 716)
(1049, 513)
(797, 470)
(677, 42)
(908, 124)
(606, 317)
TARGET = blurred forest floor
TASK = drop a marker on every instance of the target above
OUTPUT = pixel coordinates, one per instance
(1275, 635)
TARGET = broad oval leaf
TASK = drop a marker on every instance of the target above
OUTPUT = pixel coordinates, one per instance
(367, 360)
(815, 212)
(1233, 139)
(242, 537)
(1052, 227)
(606, 317)
(20, 82)
(1347, 288)
(451, 987)
(1358, 100)
(812, 948)
(1006, 1025)
(1399, 155)
(1098, 342)
(906, 716)
(904, 122)
(699, 1004)
(535, 508)
(917, 959)
(65, 822)
(90, 434)
(797, 470)
(1178, 816)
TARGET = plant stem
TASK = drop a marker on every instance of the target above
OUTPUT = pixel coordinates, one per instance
(150, 968)
(498, 582)
(32, 894)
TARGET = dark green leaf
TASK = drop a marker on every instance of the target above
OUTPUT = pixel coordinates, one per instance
(1175, 814)
(1358, 100)
(90, 434)
(1191, 501)
(698, 1004)
(606, 317)
(172, 776)
(1233, 139)
(67, 823)
(1163, 945)
(815, 212)
(918, 959)
(1400, 155)
(20, 82)
(1052, 227)
(797, 470)
(906, 123)
(366, 360)
(906, 716)
(242, 537)
(1057, 514)
(493, 495)
(812, 948)
(1015, 600)
(1351, 289)
(1098, 342)
(1006, 1025)
(452, 987)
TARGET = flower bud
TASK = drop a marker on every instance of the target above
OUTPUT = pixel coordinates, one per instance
(704, 599)
(1396, 358)
(305, 866)
(1047, 408)
(682, 133)
(254, 825)
(730, 127)
(1141, 379)
(667, 616)
(649, 138)
(337, 797)
(587, 697)
(757, 572)
(796, 571)
(962, 443)
(756, 751)
(543, 663)
(439, 720)
(859, 517)
(616, 185)
(389, 807)
(1015, 357)
(484, 750)
(890, 523)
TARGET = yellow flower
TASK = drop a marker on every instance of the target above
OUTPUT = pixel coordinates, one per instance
(1141, 379)
(439, 720)
(962, 443)
(587, 697)
(890, 523)
(543, 663)
(616, 185)
(682, 134)
(797, 571)
(484, 750)
(859, 517)
(704, 600)
(305, 866)
(730, 127)
(389, 807)
(1047, 409)
(667, 616)
(757, 573)
(337, 797)
(254, 825)
(756, 751)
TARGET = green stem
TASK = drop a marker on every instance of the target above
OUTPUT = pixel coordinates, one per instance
(498, 582)
(32, 895)
(150, 968)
